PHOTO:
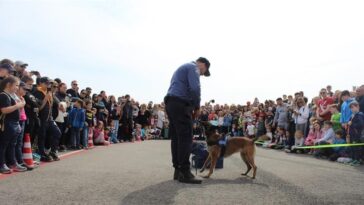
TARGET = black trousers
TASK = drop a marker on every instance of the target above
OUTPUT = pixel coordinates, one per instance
(180, 131)
(48, 131)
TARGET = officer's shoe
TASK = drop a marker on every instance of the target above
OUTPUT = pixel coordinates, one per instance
(176, 174)
(185, 176)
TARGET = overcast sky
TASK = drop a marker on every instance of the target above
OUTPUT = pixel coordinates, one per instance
(256, 48)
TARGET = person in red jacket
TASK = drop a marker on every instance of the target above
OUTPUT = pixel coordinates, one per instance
(323, 106)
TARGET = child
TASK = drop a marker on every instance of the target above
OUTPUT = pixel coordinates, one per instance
(99, 135)
(280, 140)
(23, 117)
(234, 131)
(328, 134)
(250, 130)
(113, 133)
(138, 133)
(89, 123)
(9, 124)
(356, 126)
(335, 117)
(299, 142)
(76, 121)
(338, 152)
(155, 132)
(328, 138)
(314, 134)
(228, 118)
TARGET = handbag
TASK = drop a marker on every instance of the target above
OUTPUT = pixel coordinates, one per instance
(2, 116)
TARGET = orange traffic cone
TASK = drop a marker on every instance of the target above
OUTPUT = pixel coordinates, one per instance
(27, 152)
(90, 138)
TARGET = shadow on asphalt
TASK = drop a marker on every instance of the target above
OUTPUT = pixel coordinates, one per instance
(165, 192)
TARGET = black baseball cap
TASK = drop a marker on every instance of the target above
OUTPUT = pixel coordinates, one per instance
(44, 80)
(207, 63)
(8, 67)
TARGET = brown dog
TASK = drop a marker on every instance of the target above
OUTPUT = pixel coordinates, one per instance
(244, 145)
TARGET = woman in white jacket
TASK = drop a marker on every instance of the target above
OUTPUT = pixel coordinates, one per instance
(301, 115)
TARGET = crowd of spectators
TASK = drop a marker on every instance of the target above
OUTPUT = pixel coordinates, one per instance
(293, 122)
(59, 119)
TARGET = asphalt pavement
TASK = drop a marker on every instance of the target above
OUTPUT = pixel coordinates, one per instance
(141, 173)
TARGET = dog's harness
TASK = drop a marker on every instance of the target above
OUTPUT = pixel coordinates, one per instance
(221, 143)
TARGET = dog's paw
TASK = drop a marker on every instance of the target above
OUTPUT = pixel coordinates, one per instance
(202, 170)
(244, 174)
(206, 177)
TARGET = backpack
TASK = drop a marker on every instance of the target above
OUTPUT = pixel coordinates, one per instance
(2, 116)
(200, 154)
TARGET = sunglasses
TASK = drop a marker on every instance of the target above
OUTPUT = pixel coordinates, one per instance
(83, 93)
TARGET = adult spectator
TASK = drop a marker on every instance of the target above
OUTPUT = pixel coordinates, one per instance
(83, 95)
(61, 93)
(301, 114)
(329, 90)
(161, 117)
(104, 98)
(323, 106)
(111, 104)
(127, 119)
(48, 127)
(143, 116)
(5, 70)
(285, 99)
(31, 109)
(360, 97)
(20, 67)
(74, 90)
(345, 109)
(281, 116)
(88, 94)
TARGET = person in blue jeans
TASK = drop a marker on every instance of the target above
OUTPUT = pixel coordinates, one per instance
(10, 128)
(356, 127)
(76, 120)
(23, 117)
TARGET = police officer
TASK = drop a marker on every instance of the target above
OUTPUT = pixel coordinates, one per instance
(182, 106)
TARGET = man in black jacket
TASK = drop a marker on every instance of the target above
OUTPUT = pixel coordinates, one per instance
(360, 97)
(74, 90)
(127, 119)
(45, 101)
